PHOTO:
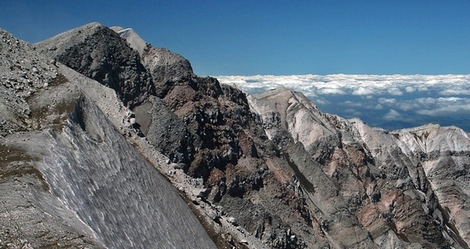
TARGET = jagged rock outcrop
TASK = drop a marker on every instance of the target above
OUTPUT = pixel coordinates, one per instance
(166, 131)
(164, 65)
(75, 181)
(99, 53)
(224, 147)
(80, 159)
(23, 72)
(383, 177)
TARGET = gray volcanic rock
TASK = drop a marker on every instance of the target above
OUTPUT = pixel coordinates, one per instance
(23, 71)
(77, 182)
(135, 41)
(142, 209)
(99, 53)
(164, 65)
(30, 216)
(166, 131)
(263, 171)
(103, 187)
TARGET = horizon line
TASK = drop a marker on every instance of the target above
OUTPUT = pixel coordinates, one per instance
(346, 74)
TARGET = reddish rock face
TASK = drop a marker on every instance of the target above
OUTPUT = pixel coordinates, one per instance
(231, 154)
(264, 171)
(389, 180)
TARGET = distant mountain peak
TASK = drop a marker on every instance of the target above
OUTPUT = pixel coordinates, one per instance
(91, 117)
(134, 40)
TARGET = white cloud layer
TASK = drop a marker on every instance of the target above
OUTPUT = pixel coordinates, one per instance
(356, 84)
(392, 115)
(427, 97)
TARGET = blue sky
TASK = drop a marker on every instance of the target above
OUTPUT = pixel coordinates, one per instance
(274, 37)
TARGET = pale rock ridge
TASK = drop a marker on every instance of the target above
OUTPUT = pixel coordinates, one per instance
(330, 211)
(390, 168)
(134, 40)
(264, 171)
(444, 152)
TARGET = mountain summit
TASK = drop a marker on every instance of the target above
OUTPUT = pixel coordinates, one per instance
(109, 142)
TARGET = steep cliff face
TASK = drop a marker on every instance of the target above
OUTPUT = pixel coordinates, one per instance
(443, 153)
(81, 159)
(70, 178)
(164, 65)
(388, 180)
(209, 130)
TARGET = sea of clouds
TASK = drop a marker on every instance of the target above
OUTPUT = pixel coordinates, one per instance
(387, 101)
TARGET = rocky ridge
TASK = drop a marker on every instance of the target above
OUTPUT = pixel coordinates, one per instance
(264, 171)
(384, 177)
(99, 53)
(70, 178)
(23, 72)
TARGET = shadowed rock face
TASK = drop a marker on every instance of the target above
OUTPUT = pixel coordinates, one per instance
(168, 133)
(99, 53)
(74, 181)
(211, 132)
(165, 66)
(264, 171)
